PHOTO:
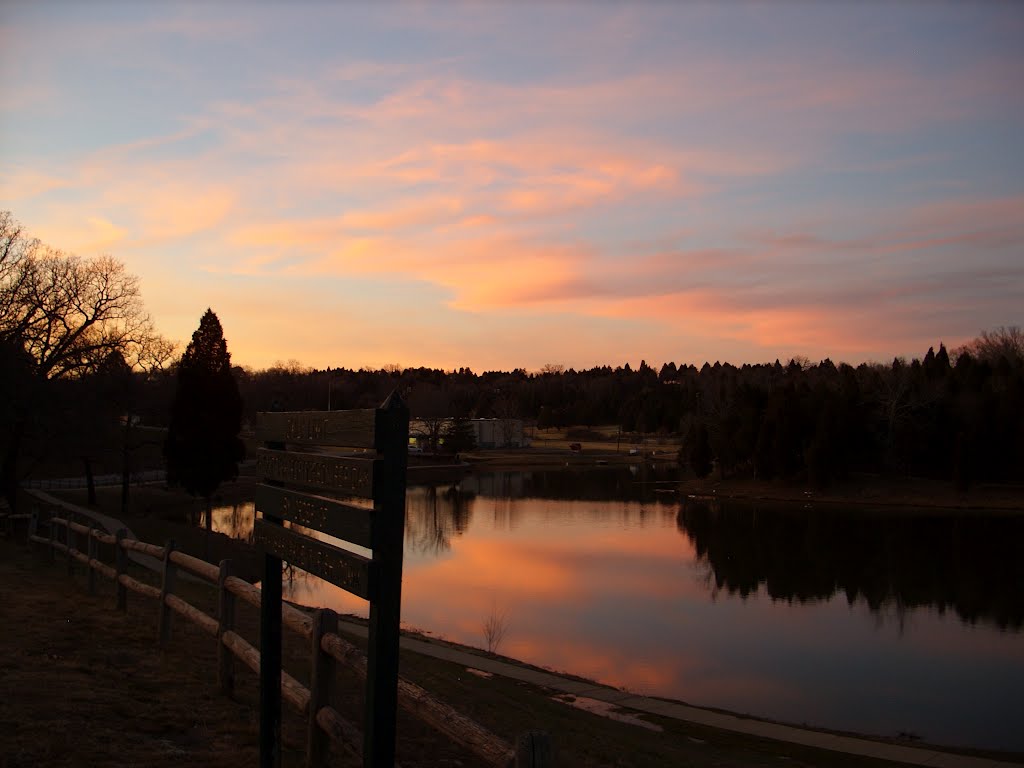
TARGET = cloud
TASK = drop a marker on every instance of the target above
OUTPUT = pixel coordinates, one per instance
(174, 211)
(680, 190)
(92, 235)
(17, 184)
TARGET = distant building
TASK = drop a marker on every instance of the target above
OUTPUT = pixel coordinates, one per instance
(488, 433)
(499, 433)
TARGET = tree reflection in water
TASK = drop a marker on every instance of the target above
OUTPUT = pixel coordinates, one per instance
(971, 563)
(234, 520)
(433, 514)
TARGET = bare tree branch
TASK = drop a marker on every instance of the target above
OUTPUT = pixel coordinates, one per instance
(69, 313)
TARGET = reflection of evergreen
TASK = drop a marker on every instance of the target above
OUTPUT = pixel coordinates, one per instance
(971, 565)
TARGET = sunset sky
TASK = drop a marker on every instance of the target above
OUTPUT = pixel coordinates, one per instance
(503, 185)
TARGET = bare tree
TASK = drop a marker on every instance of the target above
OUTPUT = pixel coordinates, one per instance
(494, 628)
(1004, 341)
(506, 409)
(75, 312)
(63, 316)
(17, 252)
(431, 409)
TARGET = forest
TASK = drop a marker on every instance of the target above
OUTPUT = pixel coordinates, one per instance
(956, 418)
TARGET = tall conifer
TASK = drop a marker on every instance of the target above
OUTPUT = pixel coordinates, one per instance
(203, 448)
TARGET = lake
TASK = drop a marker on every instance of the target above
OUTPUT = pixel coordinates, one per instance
(863, 620)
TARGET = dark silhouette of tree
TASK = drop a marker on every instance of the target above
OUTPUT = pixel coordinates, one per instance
(17, 396)
(699, 454)
(459, 436)
(1005, 341)
(61, 318)
(202, 447)
(430, 408)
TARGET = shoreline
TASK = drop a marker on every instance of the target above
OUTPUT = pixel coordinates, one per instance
(862, 490)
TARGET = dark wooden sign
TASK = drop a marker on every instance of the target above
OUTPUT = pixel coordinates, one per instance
(354, 429)
(379, 475)
(335, 518)
(342, 568)
(337, 474)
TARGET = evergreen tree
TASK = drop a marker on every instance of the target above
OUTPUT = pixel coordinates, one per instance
(203, 448)
(700, 453)
(459, 436)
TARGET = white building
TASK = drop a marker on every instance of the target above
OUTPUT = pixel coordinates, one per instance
(499, 433)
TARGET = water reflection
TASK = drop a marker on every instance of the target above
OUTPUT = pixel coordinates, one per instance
(234, 520)
(434, 514)
(637, 482)
(973, 565)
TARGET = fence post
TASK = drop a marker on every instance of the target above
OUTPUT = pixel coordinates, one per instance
(121, 565)
(166, 588)
(387, 540)
(318, 745)
(33, 527)
(70, 541)
(226, 623)
(533, 750)
(93, 554)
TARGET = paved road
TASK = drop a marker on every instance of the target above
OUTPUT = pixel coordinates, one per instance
(848, 744)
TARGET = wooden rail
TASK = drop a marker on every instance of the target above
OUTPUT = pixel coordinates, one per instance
(326, 646)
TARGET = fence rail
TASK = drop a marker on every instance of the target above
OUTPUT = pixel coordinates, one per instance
(99, 481)
(326, 645)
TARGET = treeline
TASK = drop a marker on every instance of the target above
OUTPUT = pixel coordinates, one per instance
(959, 419)
(956, 419)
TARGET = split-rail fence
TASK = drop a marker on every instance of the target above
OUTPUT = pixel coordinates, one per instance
(80, 543)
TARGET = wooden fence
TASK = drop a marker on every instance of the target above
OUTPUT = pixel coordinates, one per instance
(533, 749)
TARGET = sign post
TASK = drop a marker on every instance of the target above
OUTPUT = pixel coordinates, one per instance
(297, 489)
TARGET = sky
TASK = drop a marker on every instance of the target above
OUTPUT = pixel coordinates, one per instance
(509, 185)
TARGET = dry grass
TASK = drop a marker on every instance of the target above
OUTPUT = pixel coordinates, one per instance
(83, 684)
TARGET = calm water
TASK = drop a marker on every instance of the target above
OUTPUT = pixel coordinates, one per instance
(852, 620)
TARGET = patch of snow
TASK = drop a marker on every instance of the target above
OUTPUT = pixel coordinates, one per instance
(606, 709)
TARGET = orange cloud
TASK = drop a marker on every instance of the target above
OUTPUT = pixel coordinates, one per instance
(94, 234)
(173, 211)
(769, 327)
(17, 184)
